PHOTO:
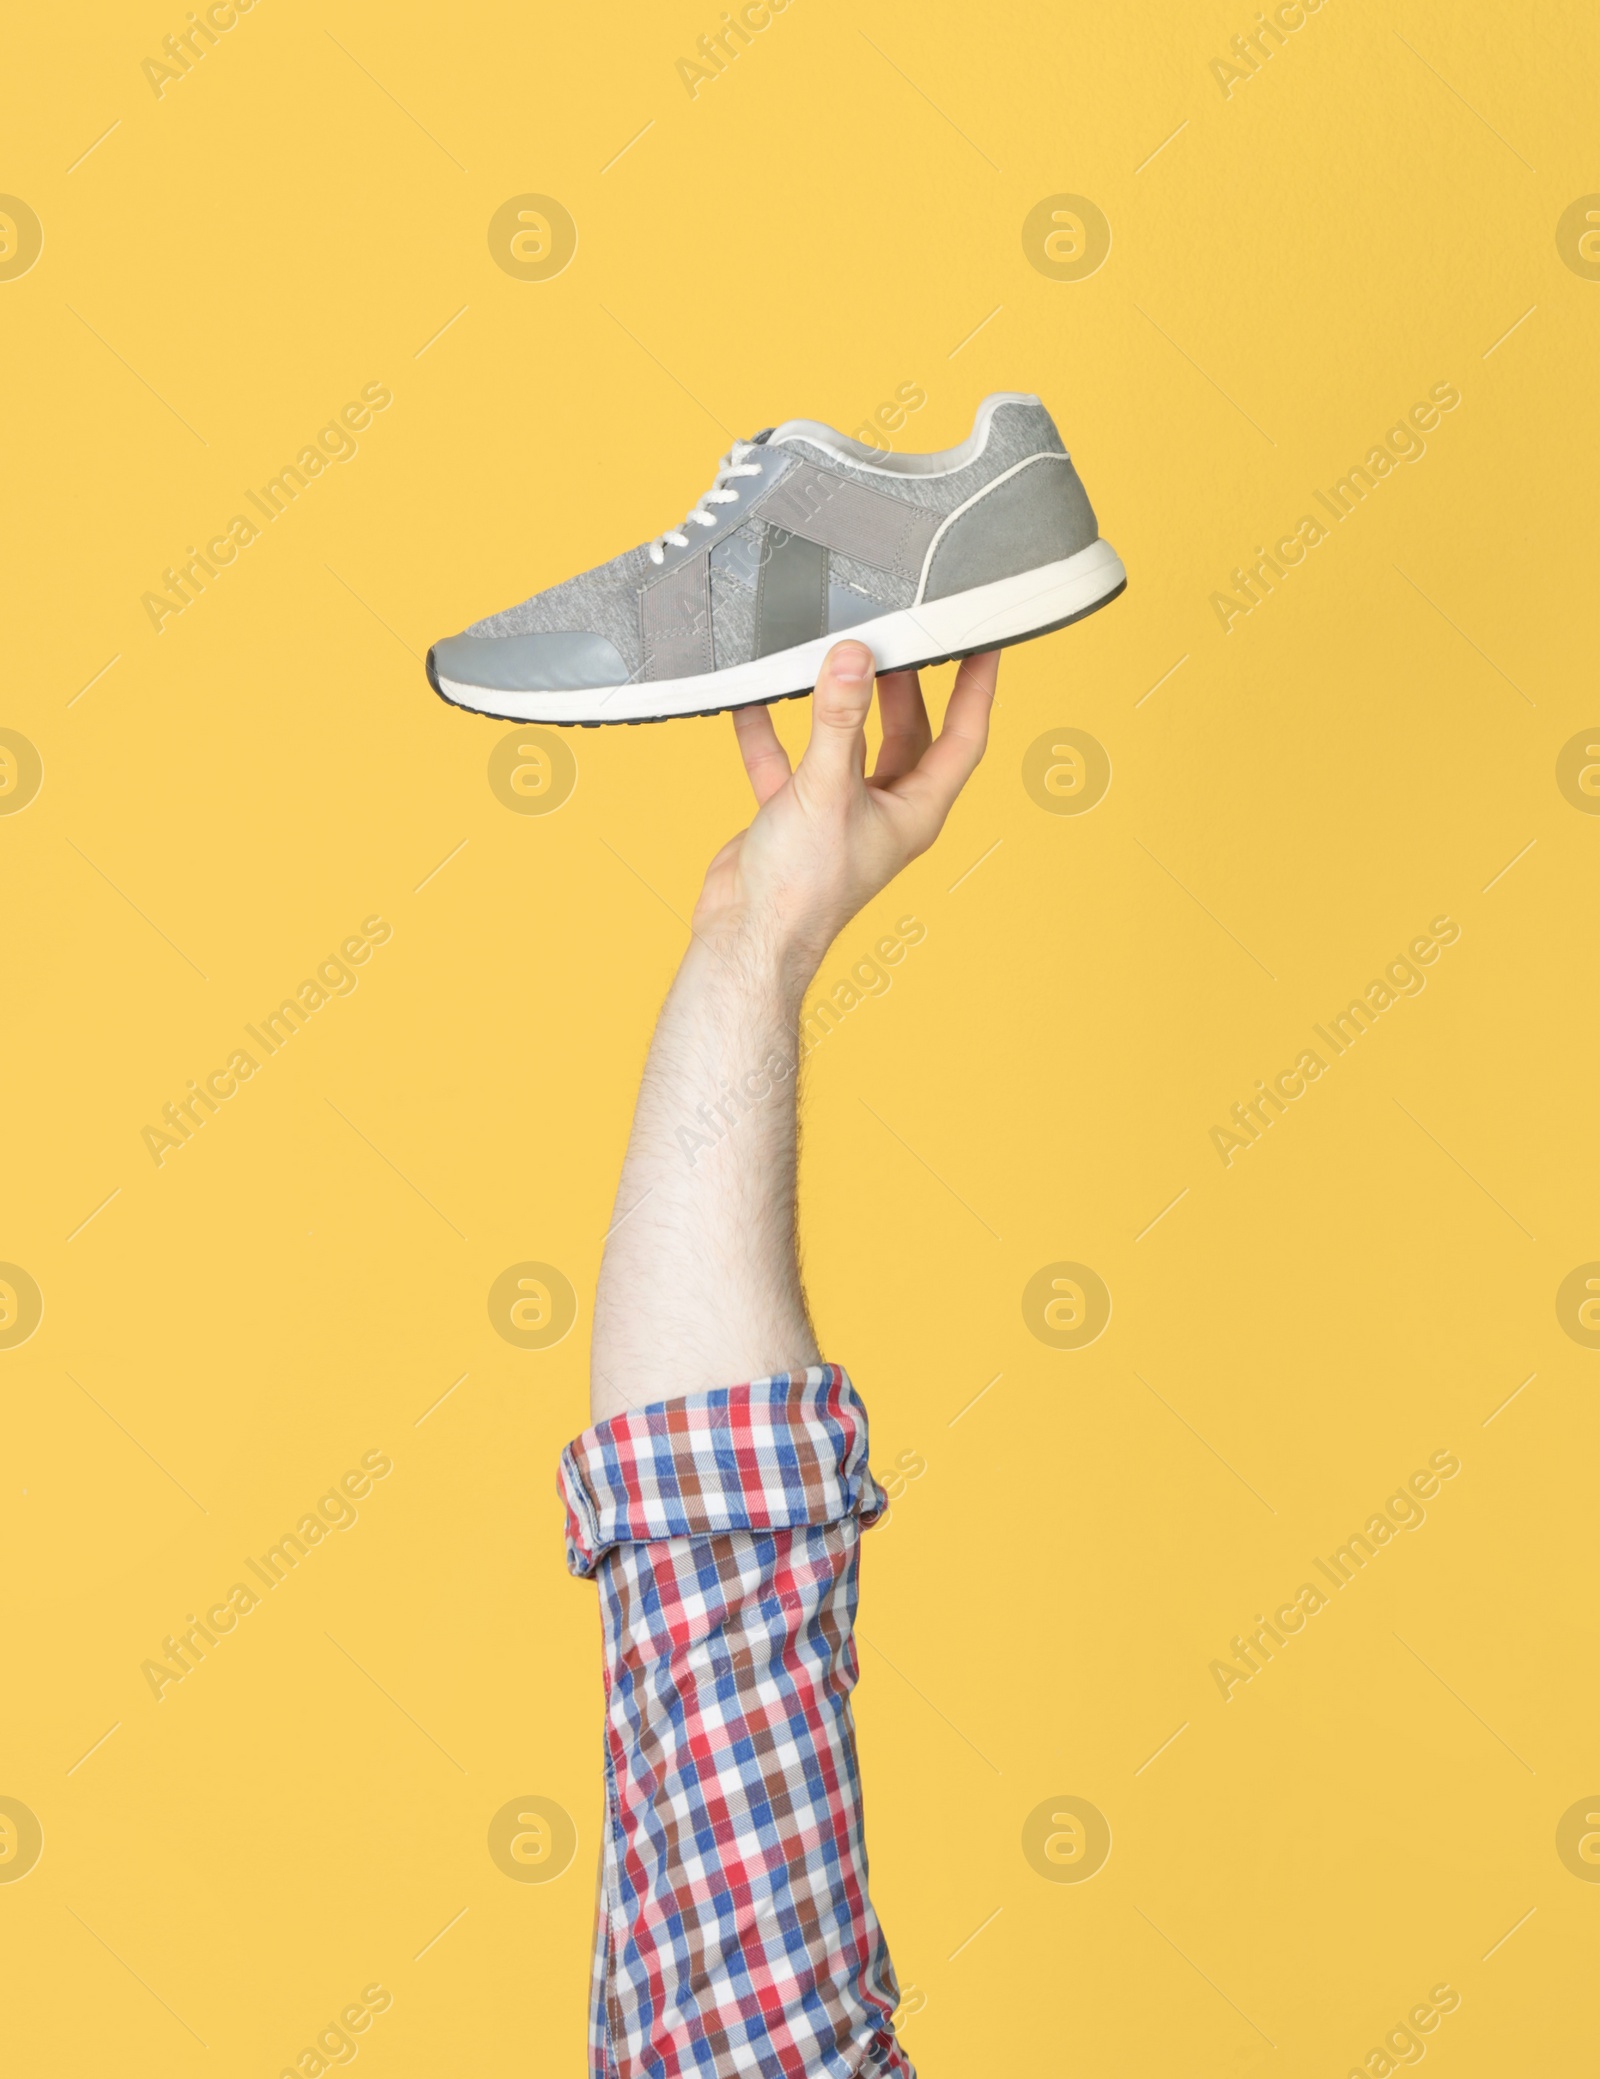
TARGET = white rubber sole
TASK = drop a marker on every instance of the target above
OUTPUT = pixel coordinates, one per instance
(987, 617)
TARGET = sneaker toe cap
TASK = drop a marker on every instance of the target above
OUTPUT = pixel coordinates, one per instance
(545, 663)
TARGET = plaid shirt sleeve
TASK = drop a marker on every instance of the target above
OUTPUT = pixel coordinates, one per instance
(734, 1933)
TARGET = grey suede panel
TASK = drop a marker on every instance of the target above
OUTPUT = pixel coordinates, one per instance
(733, 618)
(792, 597)
(675, 621)
(821, 505)
(1040, 515)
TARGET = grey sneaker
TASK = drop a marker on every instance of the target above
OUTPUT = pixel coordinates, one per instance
(804, 534)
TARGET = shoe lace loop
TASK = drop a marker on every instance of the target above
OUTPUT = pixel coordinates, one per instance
(732, 464)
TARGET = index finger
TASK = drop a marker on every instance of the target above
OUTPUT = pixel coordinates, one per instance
(765, 759)
(950, 761)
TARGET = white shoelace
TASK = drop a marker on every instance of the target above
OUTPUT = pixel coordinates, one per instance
(732, 464)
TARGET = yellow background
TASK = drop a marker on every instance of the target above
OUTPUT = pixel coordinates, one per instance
(1296, 264)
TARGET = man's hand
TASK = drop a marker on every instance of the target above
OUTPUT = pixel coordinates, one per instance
(827, 837)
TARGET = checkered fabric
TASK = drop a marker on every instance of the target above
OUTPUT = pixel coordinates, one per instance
(734, 1933)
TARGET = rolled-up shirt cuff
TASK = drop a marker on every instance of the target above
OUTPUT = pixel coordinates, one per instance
(771, 1455)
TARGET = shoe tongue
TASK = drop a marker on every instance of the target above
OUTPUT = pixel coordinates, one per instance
(763, 436)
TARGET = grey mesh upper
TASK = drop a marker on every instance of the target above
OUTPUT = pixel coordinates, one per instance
(876, 547)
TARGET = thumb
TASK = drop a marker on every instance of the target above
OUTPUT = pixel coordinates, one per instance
(837, 751)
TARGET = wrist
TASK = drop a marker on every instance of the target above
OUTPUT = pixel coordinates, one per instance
(756, 954)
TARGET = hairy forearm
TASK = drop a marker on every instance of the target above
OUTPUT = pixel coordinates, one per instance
(700, 1280)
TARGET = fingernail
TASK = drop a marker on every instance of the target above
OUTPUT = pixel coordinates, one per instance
(851, 660)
